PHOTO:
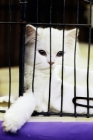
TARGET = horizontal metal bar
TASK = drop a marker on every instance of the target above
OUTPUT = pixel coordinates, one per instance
(82, 98)
(58, 114)
(63, 114)
(2, 111)
(47, 24)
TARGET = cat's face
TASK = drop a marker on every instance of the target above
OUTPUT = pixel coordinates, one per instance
(43, 46)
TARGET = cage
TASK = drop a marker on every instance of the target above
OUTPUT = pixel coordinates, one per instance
(62, 10)
(62, 15)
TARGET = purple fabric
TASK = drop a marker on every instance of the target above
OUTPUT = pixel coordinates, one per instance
(51, 131)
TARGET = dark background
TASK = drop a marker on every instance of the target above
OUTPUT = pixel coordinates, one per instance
(43, 17)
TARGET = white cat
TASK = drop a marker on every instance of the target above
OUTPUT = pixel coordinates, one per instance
(24, 106)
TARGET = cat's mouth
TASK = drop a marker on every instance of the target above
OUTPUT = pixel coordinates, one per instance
(52, 66)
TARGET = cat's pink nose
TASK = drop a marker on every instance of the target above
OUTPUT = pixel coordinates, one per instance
(51, 63)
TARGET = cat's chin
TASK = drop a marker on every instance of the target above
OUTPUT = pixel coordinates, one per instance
(52, 66)
(46, 68)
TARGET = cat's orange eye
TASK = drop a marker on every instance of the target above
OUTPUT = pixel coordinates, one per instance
(60, 53)
(42, 52)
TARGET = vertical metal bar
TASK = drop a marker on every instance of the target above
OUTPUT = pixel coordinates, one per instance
(22, 46)
(10, 47)
(88, 62)
(61, 111)
(50, 59)
(34, 61)
(75, 57)
(35, 50)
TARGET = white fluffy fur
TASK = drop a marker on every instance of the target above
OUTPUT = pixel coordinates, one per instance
(21, 110)
(68, 89)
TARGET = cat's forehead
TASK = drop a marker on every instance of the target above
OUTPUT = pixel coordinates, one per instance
(46, 33)
(44, 38)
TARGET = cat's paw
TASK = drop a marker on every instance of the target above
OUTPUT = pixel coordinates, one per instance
(42, 108)
(11, 123)
(9, 126)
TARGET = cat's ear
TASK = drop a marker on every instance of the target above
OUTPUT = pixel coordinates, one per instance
(30, 30)
(72, 33)
(30, 35)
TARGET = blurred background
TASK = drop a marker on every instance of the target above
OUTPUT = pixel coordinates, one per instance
(43, 17)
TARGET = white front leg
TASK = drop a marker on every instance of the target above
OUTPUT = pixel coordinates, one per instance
(19, 112)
